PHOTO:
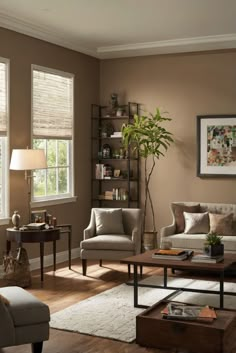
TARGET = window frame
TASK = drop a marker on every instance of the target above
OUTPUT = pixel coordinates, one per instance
(59, 198)
(4, 217)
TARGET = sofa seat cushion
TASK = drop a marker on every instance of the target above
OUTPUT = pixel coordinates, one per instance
(187, 241)
(196, 241)
(108, 242)
(24, 308)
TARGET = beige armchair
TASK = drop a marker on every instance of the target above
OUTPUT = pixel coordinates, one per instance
(112, 234)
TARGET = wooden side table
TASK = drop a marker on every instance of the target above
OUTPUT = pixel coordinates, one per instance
(34, 236)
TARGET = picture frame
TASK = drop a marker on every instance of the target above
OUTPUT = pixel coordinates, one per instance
(39, 216)
(116, 173)
(216, 145)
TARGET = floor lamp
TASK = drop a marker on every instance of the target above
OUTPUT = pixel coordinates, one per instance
(28, 160)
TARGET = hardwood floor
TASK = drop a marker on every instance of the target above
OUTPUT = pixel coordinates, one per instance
(66, 287)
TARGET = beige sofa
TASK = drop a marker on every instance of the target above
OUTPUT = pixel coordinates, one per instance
(196, 241)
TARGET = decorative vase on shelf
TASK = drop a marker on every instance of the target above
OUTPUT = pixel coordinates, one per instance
(16, 220)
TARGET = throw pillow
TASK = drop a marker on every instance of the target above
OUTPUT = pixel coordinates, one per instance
(221, 224)
(109, 221)
(196, 223)
(178, 210)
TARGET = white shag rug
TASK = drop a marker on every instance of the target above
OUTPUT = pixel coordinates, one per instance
(111, 314)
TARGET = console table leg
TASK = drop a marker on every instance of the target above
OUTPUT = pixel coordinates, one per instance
(69, 246)
(54, 255)
(41, 258)
(135, 286)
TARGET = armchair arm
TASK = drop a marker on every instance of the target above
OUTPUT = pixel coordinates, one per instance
(168, 230)
(7, 328)
(136, 239)
(88, 233)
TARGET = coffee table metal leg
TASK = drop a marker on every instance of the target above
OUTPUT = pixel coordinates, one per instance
(222, 290)
(165, 277)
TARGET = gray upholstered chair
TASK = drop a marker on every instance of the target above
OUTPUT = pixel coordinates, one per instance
(23, 319)
(112, 234)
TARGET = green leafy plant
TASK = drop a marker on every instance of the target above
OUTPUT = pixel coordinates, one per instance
(213, 239)
(150, 139)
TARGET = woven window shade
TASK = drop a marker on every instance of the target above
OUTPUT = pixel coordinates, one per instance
(52, 105)
(3, 99)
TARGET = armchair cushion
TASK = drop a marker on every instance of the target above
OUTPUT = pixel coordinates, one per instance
(109, 221)
(109, 242)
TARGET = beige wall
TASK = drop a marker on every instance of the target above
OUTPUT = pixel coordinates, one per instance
(185, 85)
(22, 52)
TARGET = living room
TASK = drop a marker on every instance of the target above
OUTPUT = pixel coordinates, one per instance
(188, 82)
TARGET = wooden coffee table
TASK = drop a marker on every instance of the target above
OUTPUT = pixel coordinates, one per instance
(146, 259)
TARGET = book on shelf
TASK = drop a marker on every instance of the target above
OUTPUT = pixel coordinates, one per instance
(172, 254)
(207, 259)
(99, 171)
(181, 311)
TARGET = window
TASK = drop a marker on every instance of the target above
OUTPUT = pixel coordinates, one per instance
(52, 128)
(4, 209)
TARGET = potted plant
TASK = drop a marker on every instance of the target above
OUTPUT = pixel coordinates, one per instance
(213, 245)
(150, 139)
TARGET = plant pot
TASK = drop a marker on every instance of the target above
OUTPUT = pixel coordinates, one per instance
(149, 240)
(214, 250)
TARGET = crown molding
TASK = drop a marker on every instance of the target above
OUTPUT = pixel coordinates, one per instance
(43, 33)
(194, 44)
(217, 42)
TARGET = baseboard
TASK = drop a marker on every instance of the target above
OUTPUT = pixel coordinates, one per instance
(48, 259)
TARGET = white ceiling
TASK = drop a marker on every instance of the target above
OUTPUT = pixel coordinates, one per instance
(122, 28)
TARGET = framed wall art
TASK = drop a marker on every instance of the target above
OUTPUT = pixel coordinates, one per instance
(216, 146)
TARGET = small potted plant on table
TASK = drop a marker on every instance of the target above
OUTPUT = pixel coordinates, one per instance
(213, 245)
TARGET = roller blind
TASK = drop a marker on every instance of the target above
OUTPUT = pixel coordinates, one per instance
(3, 99)
(52, 107)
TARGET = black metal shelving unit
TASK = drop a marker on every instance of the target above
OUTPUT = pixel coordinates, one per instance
(128, 181)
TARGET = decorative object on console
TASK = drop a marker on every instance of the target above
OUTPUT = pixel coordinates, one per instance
(16, 220)
(150, 139)
(28, 160)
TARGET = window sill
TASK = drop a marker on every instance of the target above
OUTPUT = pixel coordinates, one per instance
(4, 221)
(52, 202)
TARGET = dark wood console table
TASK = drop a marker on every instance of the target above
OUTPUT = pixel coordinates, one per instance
(34, 236)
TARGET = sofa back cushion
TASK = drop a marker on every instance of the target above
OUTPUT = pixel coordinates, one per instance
(178, 210)
(196, 223)
(221, 224)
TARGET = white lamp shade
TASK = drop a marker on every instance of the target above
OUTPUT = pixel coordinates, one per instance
(28, 159)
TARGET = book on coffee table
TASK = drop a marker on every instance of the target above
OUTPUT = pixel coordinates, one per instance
(207, 259)
(172, 254)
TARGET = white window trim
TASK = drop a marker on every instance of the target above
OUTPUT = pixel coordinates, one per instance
(59, 199)
(56, 201)
(6, 218)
